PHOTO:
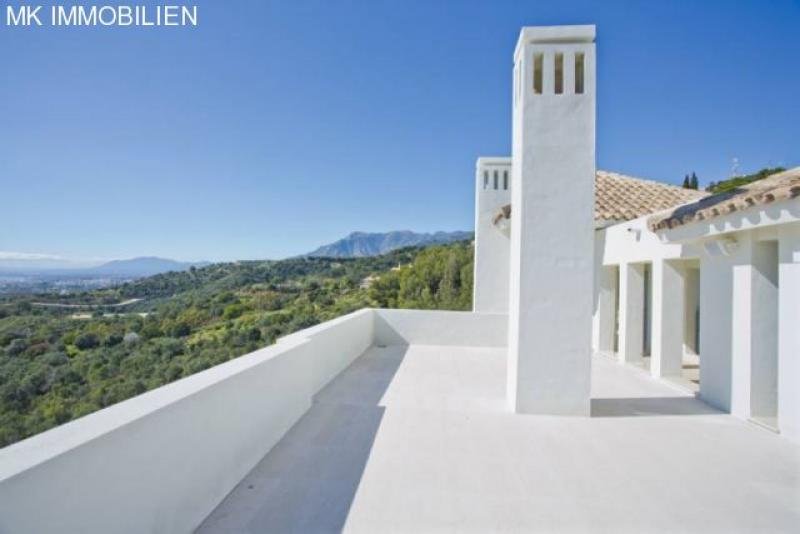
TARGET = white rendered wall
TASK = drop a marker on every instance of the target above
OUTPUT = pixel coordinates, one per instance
(552, 194)
(633, 242)
(789, 331)
(491, 245)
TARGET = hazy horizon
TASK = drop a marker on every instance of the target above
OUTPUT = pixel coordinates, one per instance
(41, 261)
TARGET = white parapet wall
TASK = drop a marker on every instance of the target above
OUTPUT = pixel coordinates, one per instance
(162, 461)
(419, 327)
(335, 344)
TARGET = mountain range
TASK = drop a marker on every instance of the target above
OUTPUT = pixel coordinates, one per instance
(355, 245)
(361, 244)
(140, 267)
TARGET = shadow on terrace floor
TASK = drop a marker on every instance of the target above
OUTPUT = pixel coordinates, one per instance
(650, 406)
(307, 482)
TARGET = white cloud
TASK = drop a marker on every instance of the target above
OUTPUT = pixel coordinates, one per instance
(28, 256)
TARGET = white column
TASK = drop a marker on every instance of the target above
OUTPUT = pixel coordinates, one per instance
(631, 312)
(764, 332)
(789, 331)
(552, 203)
(691, 306)
(605, 285)
(725, 282)
(668, 309)
(605, 309)
(741, 335)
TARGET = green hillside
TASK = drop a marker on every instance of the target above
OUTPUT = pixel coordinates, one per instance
(59, 363)
(737, 181)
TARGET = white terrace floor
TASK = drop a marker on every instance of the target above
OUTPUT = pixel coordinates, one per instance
(417, 439)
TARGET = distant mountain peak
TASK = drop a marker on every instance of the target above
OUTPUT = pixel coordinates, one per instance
(359, 244)
(143, 266)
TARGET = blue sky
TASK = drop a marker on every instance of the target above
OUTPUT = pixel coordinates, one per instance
(274, 127)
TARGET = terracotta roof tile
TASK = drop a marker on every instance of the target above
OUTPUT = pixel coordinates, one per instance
(620, 198)
(781, 186)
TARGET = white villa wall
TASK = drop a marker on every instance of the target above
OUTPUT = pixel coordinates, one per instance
(551, 260)
(749, 317)
(633, 242)
(629, 246)
(490, 289)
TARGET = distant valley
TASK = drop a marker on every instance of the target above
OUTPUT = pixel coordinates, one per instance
(29, 279)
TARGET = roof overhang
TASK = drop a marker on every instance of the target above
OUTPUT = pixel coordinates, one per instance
(762, 216)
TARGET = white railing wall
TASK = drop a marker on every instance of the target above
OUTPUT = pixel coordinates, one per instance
(162, 461)
(432, 327)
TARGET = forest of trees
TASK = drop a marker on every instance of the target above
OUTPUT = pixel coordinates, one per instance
(439, 278)
(56, 365)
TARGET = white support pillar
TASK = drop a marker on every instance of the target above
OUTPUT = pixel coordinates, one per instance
(605, 308)
(691, 279)
(725, 298)
(668, 318)
(631, 312)
(789, 331)
(754, 329)
(552, 219)
(764, 333)
(716, 303)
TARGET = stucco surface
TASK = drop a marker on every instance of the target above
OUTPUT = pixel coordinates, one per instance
(418, 439)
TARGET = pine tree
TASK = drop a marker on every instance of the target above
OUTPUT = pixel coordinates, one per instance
(686, 184)
(693, 182)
